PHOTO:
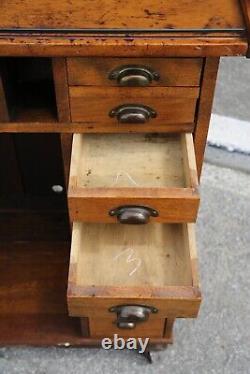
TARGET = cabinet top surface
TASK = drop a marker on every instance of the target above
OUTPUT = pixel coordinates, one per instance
(123, 14)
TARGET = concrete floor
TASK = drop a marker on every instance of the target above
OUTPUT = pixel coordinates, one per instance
(219, 340)
(233, 88)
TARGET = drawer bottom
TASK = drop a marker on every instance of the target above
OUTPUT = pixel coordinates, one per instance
(129, 280)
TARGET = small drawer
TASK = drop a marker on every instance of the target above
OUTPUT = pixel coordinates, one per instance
(134, 71)
(115, 177)
(129, 280)
(134, 109)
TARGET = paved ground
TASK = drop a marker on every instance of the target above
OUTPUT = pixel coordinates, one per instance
(218, 342)
(233, 88)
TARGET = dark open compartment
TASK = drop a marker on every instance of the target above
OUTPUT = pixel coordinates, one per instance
(29, 89)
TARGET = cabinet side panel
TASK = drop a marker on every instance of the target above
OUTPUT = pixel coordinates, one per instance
(60, 75)
(246, 11)
(205, 108)
(4, 116)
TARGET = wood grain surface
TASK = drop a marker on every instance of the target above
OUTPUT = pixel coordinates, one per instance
(92, 105)
(106, 327)
(161, 273)
(175, 45)
(104, 175)
(60, 76)
(205, 109)
(146, 14)
(95, 71)
(78, 127)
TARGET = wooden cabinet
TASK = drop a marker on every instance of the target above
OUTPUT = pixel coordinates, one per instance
(133, 85)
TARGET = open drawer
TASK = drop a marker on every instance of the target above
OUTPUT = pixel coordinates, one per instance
(130, 279)
(133, 178)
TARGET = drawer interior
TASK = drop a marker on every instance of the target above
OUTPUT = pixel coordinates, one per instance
(154, 264)
(138, 160)
(112, 170)
(130, 161)
(153, 255)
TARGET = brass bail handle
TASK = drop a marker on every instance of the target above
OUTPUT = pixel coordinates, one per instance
(133, 215)
(128, 316)
(134, 75)
(133, 113)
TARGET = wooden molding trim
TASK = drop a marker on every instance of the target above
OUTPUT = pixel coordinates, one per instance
(120, 46)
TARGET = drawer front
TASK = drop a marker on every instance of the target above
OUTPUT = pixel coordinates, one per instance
(106, 327)
(131, 178)
(134, 71)
(129, 280)
(121, 108)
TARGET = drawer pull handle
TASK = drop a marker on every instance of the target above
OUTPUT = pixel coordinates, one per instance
(133, 215)
(133, 113)
(129, 315)
(134, 75)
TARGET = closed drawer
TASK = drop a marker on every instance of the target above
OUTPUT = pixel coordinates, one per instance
(112, 171)
(134, 71)
(134, 109)
(112, 266)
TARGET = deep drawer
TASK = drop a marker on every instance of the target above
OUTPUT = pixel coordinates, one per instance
(111, 171)
(113, 266)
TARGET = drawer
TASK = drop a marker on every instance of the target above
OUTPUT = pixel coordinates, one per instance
(112, 171)
(134, 71)
(112, 266)
(132, 108)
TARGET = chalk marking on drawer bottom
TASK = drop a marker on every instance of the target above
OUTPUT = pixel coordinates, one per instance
(120, 174)
(130, 259)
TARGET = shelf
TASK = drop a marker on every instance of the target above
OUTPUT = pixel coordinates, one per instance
(35, 115)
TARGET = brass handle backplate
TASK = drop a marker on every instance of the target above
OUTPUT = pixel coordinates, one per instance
(128, 316)
(133, 113)
(133, 215)
(134, 75)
